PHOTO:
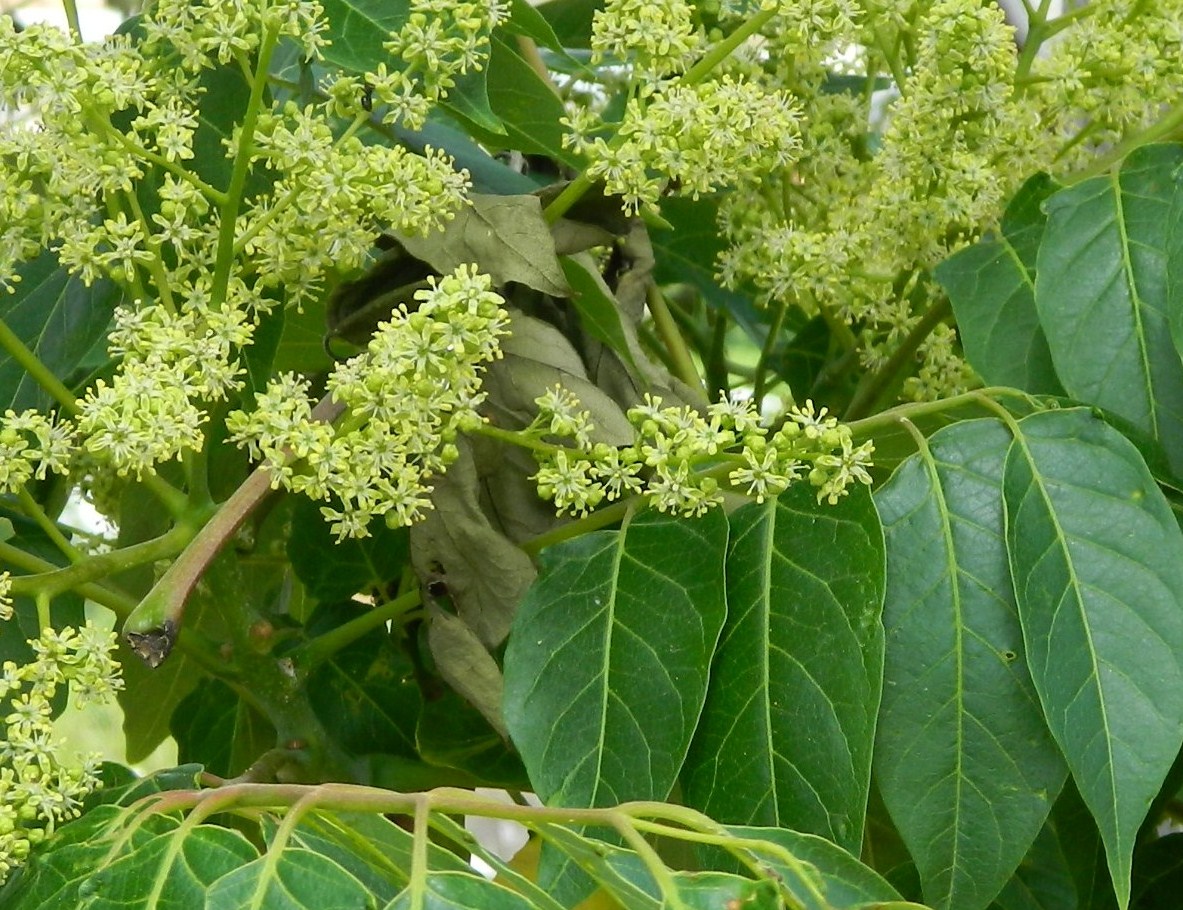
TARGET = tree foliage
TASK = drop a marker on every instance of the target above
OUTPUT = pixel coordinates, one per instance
(755, 429)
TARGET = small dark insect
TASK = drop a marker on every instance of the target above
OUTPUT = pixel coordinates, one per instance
(154, 646)
(367, 98)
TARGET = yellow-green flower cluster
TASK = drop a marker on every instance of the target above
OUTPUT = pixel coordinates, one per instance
(679, 455)
(441, 40)
(31, 446)
(39, 786)
(112, 183)
(693, 139)
(658, 39)
(206, 33)
(1113, 71)
(406, 396)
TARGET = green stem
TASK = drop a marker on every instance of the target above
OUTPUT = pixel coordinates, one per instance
(606, 516)
(525, 441)
(759, 386)
(723, 49)
(35, 368)
(309, 655)
(162, 610)
(869, 392)
(869, 427)
(70, 7)
(118, 602)
(224, 258)
(1161, 129)
(667, 331)
(44, 618)
(156, 267)
(33, 509)
(92, 568)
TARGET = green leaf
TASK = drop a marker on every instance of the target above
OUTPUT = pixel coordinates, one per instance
(505, 236)
(333, 570)
(802, 649)
(1043, 880)
(358, 29)
(571, 20)
(456, 544)
(58, 319)
(170, 872)
(1158, 874)
(527, 107)
(295, 879)
(1097, 563)
(964, 759)
(992, 288)
(60, 867)
(453, 734)
(370, 846)
(688, 254)
(466, 665)
(1101, 294)
(460, 891)
(820, 867)
(525, 20)
(711, 890)
(598, 309)
(121, 786)
(366, 694)
(215, 727)
(607, 663)
(302, 344)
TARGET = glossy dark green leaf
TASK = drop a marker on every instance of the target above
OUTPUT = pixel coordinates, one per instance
(1158, 874)
(359, 28)
(1065, 867)
(366, 696)
(301, 346)
(59, 319)
(528, 108)
(688, 254)
(215, 727)
(1097, 562)
(460, 891)
(1101, 294)
(992, 288)
(802, 649)
(333, 570)
(964, 759)
(170, 872)
(571, 20)
(607, 663)
(453, 734)
(296, 879)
